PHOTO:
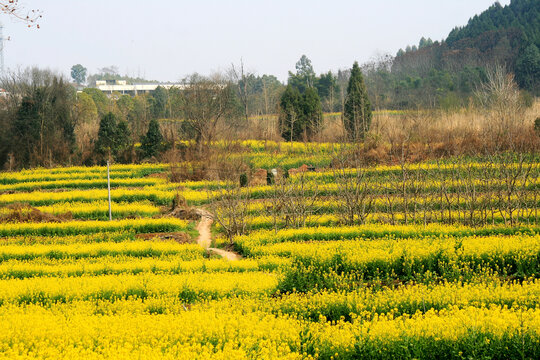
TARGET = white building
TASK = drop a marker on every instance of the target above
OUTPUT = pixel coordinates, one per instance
(120, 86)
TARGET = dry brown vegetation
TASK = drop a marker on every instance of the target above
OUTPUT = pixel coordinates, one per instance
(433, 134)
(500, 124)
(18, 212)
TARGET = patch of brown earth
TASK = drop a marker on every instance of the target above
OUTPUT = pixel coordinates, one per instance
(179, 237)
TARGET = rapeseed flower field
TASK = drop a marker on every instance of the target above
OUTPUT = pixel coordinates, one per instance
(424, 274)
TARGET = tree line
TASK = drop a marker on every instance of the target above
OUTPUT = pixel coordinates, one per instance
(46, 121)
(300, 116)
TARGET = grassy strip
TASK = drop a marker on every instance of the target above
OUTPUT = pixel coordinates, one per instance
(99, 210)
(139, 248)
(81, 184)
(189, 287)
(38, 198)
(375, 231)
(88, 227)
(115, 265)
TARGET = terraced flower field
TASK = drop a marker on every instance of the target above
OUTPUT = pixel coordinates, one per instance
(426, 269)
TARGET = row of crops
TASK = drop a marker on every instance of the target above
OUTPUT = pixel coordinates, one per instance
(309, 283)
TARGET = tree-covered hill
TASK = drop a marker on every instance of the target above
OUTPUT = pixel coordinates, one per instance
(522, 16)
(445, 73)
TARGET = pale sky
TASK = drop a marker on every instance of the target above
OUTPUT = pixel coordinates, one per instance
(167, 40)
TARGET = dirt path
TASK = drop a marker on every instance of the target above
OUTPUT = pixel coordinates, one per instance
(229, 255)
(205, 237)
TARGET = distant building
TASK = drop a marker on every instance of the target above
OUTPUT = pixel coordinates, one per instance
(121, 86)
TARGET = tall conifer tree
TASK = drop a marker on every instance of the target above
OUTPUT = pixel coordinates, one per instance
(357, 115)
(107, 136)
(152, 142)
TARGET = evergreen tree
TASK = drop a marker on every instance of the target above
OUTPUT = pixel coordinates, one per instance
(107, 142)
(158, 102)
(44, 125)
(124, 144)
(326, 84)
(425, 42)
(151, 143)
(291, 114)
(357, 115)
(312, 113)
(123, 134)
(26, 129)
(301, 114)
(62, 99)
(528, 69)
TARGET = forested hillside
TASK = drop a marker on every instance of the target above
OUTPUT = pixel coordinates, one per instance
(445, 73)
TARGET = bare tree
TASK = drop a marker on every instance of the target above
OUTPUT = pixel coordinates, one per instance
(514, 172)
(294, 201)
(355, 194)
(208, 107)
(303, 204)
(279, 198)
(500, 96)
(241, 78)
(17, 11)
(375, 70)
(230, 207)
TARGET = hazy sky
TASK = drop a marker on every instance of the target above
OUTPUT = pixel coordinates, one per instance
(167, 39)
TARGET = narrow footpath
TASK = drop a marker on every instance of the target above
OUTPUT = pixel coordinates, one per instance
(205, 237)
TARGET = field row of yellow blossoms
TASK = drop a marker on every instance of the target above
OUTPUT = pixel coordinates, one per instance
(162, 194)
(328, 207)
(188, 287)
(97, 330)
(98, 210)
(371, 231)
(133, 264)
(381, 171)
(268, 221)
(141, 287)
(81, 172)
(81, 183)
(38, 198)
(139, 248)
(89, 176)
(84, 227)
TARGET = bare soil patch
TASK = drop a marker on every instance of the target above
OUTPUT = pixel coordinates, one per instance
(179, 237)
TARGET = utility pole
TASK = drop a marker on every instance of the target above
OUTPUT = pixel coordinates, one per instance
(2, 49)
(109, 190)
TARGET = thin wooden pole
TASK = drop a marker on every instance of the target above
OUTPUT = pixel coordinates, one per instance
(109, 191)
